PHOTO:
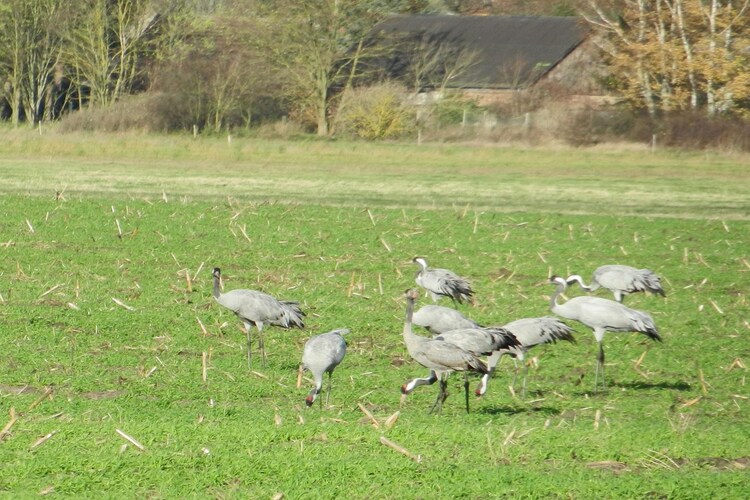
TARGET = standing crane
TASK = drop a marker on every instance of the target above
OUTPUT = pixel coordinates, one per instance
(530, 332)
(440, 357)
(442, 282)
(440, 319)
(621, 280)
(257, 308)
(601, 315)
(322, 354)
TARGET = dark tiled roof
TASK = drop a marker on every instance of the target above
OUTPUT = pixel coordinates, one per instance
(509, 50)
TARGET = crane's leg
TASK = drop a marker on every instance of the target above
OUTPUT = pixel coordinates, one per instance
(525, 376)
(619, 296)
(328, 391)
(466, 390)
(599, 367)
(515, 373)
(442, 395)
(260, 344)
(248, 327)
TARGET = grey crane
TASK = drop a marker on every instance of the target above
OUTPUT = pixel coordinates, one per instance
(257, 308)
(440, 357)
(601, 315)
(481, 341)
(621, 280)
(442, 282)
(322, 354)
(530, 332)
(439, 319)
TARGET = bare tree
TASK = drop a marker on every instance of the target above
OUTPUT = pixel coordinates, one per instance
(30, 47)
(216, 77)
(433, 62)
(106, 46)
(319, 45)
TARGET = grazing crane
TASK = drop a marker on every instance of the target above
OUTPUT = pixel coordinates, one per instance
(530, 332)
(440, 357)
(481, 342)
(322, 354)
(258, 308)
(601, 315)
(442, 282)
(440, 319)
(621, 280)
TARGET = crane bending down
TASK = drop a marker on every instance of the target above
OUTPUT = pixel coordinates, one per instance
(257, 308)
(440, 319)
(530, 332)
(322, 354)
(621, 280)
(481, 342)
(440, 357)
(601, 315)
(442, 282)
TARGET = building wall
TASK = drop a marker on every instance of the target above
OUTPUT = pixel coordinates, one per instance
(580, 72)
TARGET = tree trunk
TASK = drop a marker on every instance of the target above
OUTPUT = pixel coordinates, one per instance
(688, 48)
(322, 121)
(322, 106)
(643, 75)
(710, 82)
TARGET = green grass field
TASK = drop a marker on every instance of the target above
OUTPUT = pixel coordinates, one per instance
(109, 330)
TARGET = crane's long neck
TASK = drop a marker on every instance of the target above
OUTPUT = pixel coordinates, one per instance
(313, 394)
(553, 305)
(217, 286)
(577, 278)
(410, 338)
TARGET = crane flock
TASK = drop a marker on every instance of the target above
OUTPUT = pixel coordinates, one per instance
(456, 342)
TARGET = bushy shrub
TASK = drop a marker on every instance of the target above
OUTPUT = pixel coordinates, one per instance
(693, 130)
(131, 113)
(682, 130)
(453, 109)
(378, 112)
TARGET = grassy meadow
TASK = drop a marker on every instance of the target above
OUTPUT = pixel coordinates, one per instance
(121, 377)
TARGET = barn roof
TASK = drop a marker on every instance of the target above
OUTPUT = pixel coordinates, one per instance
(510, 51)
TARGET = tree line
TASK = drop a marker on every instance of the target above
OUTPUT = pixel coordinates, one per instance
(226, 63)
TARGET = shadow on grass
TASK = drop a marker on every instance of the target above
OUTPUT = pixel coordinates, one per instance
(640, 385)
(517, 410)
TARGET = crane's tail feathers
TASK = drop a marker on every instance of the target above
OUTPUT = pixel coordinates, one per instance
(650, 331)
(561, 331)
(653, 334)
(458, 290)
(478, 366)
(649, 281)
(503, 339)
(567, 336)
(291, 316)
